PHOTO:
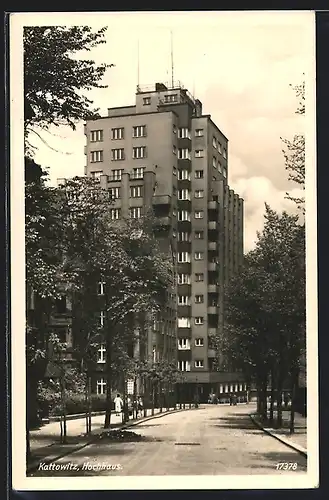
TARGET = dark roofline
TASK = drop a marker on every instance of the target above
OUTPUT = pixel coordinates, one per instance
(209, 117)
(124, 107)
(134, 114)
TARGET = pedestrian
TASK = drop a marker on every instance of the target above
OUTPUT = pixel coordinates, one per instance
(118, 403)
(231, 400)
(139, 405)
(234, 399)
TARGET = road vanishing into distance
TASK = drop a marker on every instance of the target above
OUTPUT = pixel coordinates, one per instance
(210, 440)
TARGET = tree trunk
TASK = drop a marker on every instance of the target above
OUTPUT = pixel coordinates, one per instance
(279, 398)
(108, 402)
(89, 404)
(63, 411)
(293, 402)
(153, 398)
(160, 395)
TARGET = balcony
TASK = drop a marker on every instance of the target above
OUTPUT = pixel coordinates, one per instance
(61, 319)
(212, 289)
(212, 225)
(212, 245)
(212, 331)
(163, 221)
(161, 200)
(212, 205)
(134, 176)
(212, 310)
(212, 266)
(211, 353)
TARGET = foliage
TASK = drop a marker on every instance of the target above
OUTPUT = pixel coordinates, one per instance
(294, 151)
(55, 76)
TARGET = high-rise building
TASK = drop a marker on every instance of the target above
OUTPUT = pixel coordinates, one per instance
(163, 152)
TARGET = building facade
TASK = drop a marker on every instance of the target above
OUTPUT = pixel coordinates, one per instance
(163, 152)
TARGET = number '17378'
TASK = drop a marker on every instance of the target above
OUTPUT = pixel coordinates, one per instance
(286, 466)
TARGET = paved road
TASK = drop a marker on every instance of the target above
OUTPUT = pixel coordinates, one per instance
(209, 440)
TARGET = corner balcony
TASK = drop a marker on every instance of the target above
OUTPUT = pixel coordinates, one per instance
(212, 310)
(212, 266)
(212, 205)
(161, 200)
(212, 245)
(212, 331)
(212, 289)
(163, 221)
(212, 225)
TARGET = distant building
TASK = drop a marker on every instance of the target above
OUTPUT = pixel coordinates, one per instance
(164, 153)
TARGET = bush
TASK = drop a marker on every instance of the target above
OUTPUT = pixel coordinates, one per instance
(77, 404)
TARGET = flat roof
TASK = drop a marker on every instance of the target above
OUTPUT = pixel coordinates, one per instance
(133, 114)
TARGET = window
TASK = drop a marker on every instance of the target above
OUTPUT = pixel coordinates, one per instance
(184, 323)
(198, 214)
(184, 154)
(117, 133)
(101, 288)
(199, 299)
(138, 173)
(136, 191)
(116, 175)
(146, 101)
(183, 257)
(198, 363)
(184, 215)
(199, 132)
(114, 193)
(174, 150)
(115, 213)
(174, 170)
(170, 98)
(198, 174)
(135, 212)
(224, 153)
(184, 133)
(184, 344)
(118, 154)
(198, 256)
(199, 153)
(184, 237)
(198, 235)
(214, 142)
(101, 318)
(199, 342)
(139, 152)
(199, 193)
(184, 366)
(139, 131)
(214, 162)
(184, 194)
(219, 168)
(101, 354)
(198, 320)
(174, 129)
(220, 148)
(198, 277)
(96, 135)
(96, 156)
(101, 386)
(184, 300)
(184, 279)
(224, 173)
(96, 174)
(184, 175)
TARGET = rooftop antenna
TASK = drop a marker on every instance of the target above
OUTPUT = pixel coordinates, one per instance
(172, 59)
(138, 65)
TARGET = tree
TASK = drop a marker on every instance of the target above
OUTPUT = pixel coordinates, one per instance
(55, 77)
(265, 308)
(294, 152)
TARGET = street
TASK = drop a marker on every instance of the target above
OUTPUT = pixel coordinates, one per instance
(210, 440)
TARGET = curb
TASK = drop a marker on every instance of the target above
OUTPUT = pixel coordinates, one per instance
(94, 438)
(283, 440)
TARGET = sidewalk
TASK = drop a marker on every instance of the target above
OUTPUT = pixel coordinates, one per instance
(297, 441)
(45, 442)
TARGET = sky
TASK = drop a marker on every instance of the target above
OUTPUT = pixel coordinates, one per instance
(241, 65)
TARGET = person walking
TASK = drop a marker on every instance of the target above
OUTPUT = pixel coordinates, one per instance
(139, 406)
(118, 404)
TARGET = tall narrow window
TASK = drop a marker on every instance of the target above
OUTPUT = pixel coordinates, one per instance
(101, 354)
(118, 154)
(96, 156)
(101, 386)
(184, 133)
(96, 135)
(114, 193)
(101, 288)
(136, 191)
(115, 213)
(139, 152)
(184, 175)
(102, 318)
(116, 175)
(184, 154)
(135, 212)
(117, 133)
(139, 131)
(184, 194)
